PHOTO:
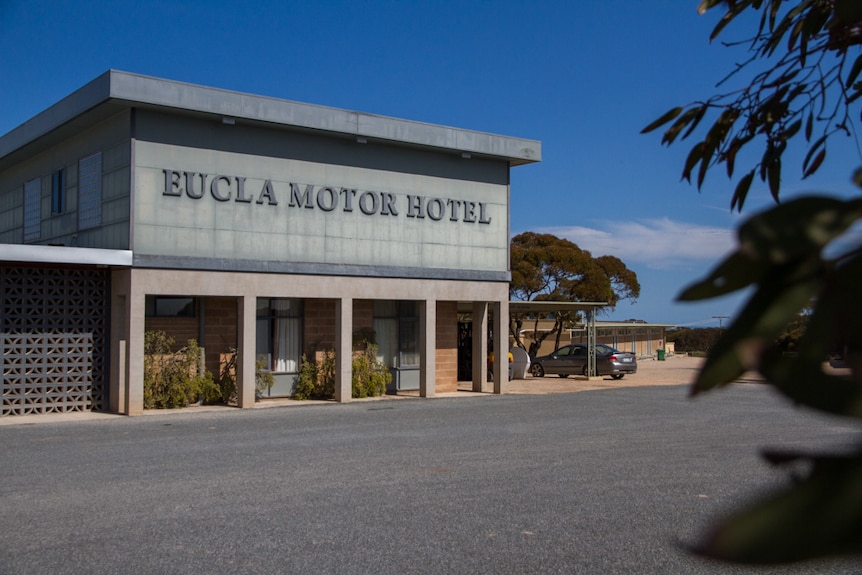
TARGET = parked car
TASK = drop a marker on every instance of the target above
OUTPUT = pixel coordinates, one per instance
(573, 360)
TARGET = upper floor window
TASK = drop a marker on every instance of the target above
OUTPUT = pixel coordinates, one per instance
(58, 192)
(33, 210)
(90, 191)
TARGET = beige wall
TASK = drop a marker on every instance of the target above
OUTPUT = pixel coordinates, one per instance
(322, 294)
(111, 138)
(447, 346)
(268, 228)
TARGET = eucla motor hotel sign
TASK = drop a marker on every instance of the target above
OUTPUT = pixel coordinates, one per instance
(326, 198)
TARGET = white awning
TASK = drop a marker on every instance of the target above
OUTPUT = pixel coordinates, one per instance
(64, 255)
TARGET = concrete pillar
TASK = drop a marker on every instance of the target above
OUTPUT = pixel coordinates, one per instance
(427, 348)
(117, 377)
(136, 326)
(501, 346)
(246, 351)
(480, 345)
(343, 349)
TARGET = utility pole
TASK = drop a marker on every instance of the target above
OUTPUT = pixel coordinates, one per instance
(720, 318)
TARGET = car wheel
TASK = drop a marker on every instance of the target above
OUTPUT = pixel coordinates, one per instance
(618, 375)
(538, 370)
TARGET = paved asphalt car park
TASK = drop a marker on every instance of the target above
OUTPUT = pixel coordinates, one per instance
(614, 479)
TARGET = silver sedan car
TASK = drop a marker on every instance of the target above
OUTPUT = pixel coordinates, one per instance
(573, 360)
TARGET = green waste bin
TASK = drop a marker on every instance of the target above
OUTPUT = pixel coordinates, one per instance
(661, 355)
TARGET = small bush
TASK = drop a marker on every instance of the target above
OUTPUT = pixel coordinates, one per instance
(175, 379)
(227, 376)
(316, 379)
(370, 376)
(263, 378)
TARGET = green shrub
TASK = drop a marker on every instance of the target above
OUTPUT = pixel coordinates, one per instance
(370, 376)
(316, 379)
(175, 378)
(227, 377)
(263, 378)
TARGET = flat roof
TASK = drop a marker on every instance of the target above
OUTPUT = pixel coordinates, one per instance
(116, 90)
(609, 324)
(540, 306)
(553, 306)
(600, 323)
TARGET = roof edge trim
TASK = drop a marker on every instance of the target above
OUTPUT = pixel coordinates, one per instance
(147, 90)
(65, 255)
(73, 105)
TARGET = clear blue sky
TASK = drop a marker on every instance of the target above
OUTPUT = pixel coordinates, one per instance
(582, 77)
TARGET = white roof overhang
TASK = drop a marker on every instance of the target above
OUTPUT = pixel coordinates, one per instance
(65, 255)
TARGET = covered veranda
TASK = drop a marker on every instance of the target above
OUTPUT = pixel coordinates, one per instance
(483, 327)
(532, 309)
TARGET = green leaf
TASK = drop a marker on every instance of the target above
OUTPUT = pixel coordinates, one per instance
(704, 166)
(794, 231)
(783, 79)
(809, 126)
(805, 383)
(729, 157)
(728, 17)
(664, 119)
(794, 33)
(707, 5)
(780, 251)
(832, 326)
(814, 148)
(694, 156)
(741, 191)
(791, 130)
(815, 164)
(692, 116)
(736, 272)
(854, 72)
(699, 113)
(773, 176)
(797, 229)
(780, 295)
(816, 517)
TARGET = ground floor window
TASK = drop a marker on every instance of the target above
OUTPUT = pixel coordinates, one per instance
(396, 326)
(279, 333)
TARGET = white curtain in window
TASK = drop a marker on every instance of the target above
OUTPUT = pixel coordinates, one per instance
(386, 330)
(286, 352)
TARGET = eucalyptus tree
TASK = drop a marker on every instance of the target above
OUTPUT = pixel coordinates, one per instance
(548, 268)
